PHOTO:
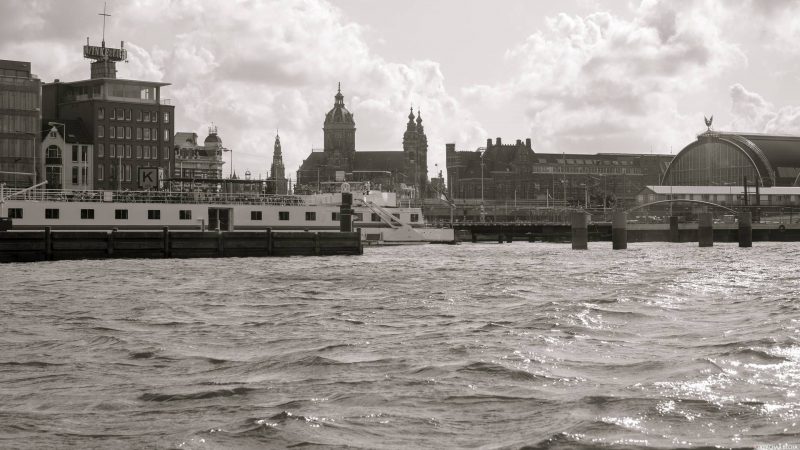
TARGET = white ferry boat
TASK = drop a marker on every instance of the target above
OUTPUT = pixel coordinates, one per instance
(377, 214)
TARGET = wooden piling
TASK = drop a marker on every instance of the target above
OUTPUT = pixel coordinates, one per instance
(580, 232)
(674, 231)
(745, 229)
(705, 229)
(48, 244)
(619, 230)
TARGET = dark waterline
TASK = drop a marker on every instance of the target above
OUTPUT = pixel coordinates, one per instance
(662, 345)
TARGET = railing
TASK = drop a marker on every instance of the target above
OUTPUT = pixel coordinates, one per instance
(57, 195)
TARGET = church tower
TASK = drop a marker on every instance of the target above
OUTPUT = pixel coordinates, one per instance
(415, 148)
(410, 149)
(422, 152)
(339, 132)
(277, 183)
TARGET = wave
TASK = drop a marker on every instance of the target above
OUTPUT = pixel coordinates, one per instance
(203, 395)
(502, 371)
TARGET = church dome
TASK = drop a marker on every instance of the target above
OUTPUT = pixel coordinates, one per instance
(213, 139)
(339, 114)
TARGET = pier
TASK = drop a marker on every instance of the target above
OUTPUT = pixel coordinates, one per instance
(47, 245)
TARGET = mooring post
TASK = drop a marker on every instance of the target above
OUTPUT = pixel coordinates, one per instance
(360, 241)
(346, 213)
(509, 238)
(220, 245)
(48, 244)
(110, 242)
(619, 230)
(745, 229)
(474, 237)
(580, 232)
(705, 229)
(269, 241)
(165, 242)
(674, 231)
(500, 238)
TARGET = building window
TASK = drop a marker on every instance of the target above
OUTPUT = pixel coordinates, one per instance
(121, 214)
(255, 215)
(100, 113)
(128, 132)
(87, 214)
(120, 114)
(154, 214)
(128, 172)
(138, 115)
(84, 152)
(100, 131)
(100, 150)
(147, 134)
(100, 172)
(185, 214)
(15, 213)
(120, 132)
(74, 175)
(112, 150)
(154, 134)
(374, 218)
(127, 114)
(51, 213)
(127, 151)
(414, 217)
(283, 215)
(358, 217)
(166, 152)
(112, 132)
(139, 133)
(113, 112)
(334, 216)
(166, 117)
(154, 152)
(74, 153)
(139, 151)
(146, 152)
(154, 116)
(166, 135)
(147, 116)
(311, 215)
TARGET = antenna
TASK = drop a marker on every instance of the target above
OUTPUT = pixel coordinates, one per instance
(104, 22)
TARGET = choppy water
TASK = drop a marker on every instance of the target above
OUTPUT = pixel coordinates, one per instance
(476, 345)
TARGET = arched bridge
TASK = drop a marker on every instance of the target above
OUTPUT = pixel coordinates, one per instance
(700, 202)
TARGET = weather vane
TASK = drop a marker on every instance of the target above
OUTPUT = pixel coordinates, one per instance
(709, 121)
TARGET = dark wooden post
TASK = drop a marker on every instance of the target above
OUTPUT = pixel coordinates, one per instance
(346, 213)
(269, 241)
(220, 246)
(619, 230)
(580, 232)
(48, 244)
(674, 231)
(316, 244)
(165, 242)
(745, 229)
(110, 242)
(705, 230)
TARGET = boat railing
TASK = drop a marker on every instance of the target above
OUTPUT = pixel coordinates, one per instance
(59, 195)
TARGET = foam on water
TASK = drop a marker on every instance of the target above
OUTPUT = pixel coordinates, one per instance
(512, 345)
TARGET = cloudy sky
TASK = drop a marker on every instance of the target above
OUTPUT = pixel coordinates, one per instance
(574, 75)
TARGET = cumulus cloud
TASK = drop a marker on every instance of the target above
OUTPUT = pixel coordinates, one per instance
(607, 83)
(251, 67)
(752, 113)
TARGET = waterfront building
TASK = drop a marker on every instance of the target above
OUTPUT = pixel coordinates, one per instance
(195, 161)
(730, 196)
(277, 183)
(68, 153)
(403, 171)
(728, 158)
(20, 116)
(131, 124)
(514, 172)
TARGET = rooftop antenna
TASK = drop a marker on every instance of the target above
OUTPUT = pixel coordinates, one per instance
(104, 22)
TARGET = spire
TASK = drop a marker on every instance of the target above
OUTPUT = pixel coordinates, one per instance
(411, 114)
(339, 97)
(419, 116)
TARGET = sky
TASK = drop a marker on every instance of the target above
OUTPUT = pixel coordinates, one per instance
(575, 76)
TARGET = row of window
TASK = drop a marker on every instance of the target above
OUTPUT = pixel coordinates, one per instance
(142, 134)
(18, 100)
(125, 114)
(126, 151)
(186, 214)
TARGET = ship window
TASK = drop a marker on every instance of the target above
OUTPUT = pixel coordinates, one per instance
(154, 214)
(185, 214)
(396, 215)
(121, 214)
(311, 215)
(283, 215)
(374, 218)
(15, 213)
(334, 216)
(358, 217)
(415, 217)
(51, 213)
(87, 214)
(256, 215)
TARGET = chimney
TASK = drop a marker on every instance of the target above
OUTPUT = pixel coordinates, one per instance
(519, 142)
(499, 142)
(488, 143)
(528, 142)
(450, 147)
